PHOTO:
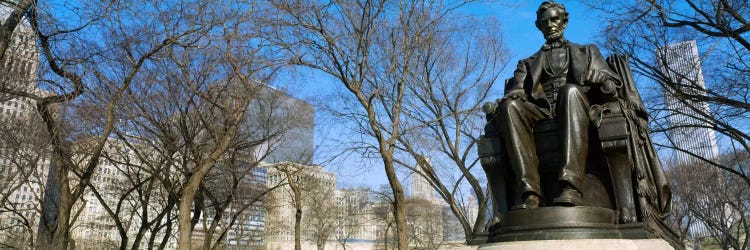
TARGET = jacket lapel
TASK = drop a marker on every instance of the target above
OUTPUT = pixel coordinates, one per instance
(579, 62)
(535, 64)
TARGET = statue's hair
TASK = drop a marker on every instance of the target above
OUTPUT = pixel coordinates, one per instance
(546, 5)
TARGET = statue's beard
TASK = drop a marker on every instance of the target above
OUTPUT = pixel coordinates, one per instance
(553, 35)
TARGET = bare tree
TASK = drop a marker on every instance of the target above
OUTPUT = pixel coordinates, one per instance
(233, 192)
(293, 179)
(74, 61)
(134, 201)
(123, 199)
(204, 123)
(309, 193)
(195, 109)
(68, 55)
(277, 203)
(247, 203)
(320, 219)
(425, 224)
(89, 66)
(458, 67)
(371, 48)
(10, 25)
(23, 151)
(644, 30)
(24, 142)
(383, 211)
(640, 29)
(354, 214)
(715, 202)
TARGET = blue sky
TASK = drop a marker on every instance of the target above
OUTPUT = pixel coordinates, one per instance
(521, 38)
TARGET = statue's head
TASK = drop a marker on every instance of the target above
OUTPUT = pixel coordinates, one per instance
(551, 20)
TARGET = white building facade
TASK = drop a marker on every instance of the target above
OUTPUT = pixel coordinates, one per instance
(22, 163)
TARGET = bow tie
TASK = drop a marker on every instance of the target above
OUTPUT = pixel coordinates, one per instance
(555, 44)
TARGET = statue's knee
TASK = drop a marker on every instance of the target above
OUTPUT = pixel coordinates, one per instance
(571, 89)
(509, 105)
(573, 94)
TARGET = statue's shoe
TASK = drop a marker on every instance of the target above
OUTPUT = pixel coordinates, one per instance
(495, 224)
(569, 197)
(532, 201)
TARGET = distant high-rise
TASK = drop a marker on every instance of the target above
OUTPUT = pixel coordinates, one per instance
(357, 219)
(18, 68)
(421, 188)
(21, 170)
(296, 143)
(317, 194)
(689, 132)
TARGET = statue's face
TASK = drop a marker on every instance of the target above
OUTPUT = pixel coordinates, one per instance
(552, 23)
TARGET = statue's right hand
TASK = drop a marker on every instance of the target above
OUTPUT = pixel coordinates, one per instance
(489, 107)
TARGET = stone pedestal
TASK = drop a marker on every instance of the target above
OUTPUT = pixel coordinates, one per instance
(564, 223)
(581, 244)
(577, 227)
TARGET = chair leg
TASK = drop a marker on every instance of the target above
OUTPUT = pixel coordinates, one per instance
(622, 182)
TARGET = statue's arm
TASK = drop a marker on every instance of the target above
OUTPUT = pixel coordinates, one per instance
(514, 87)
(601, 75)
(513, 90)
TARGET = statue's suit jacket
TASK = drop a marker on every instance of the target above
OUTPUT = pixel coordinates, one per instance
(585, 65)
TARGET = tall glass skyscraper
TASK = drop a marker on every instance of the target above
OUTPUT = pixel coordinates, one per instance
(690, 131)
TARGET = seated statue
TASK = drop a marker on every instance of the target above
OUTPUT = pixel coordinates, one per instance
(571, 131)
(555, 83)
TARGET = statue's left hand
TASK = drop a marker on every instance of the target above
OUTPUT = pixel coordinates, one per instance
(608, 87)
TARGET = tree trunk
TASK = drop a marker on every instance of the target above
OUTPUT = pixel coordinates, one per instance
(321, 244)
(53, 231)
(168, 225)
(168, 232)
(298, 229)
(184, 219)
(51, 200)
(3, 43)
(123, 239)
(385, 236)
(208, 238)
(12, 20)
(399, 212)
(151, 241)
(139, 236)
(61, 236)
(400, 217)
(298, 207)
